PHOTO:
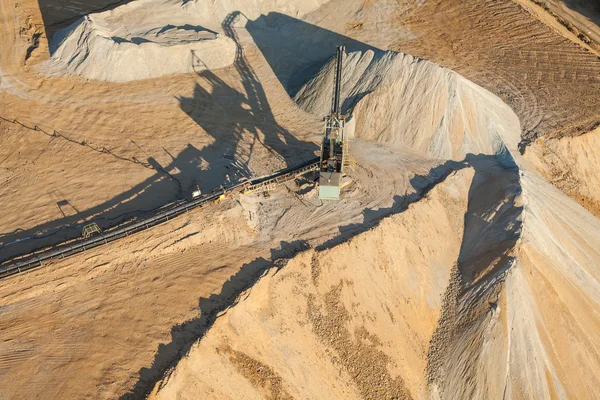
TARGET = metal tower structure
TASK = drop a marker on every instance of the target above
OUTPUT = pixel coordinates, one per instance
(331, 165)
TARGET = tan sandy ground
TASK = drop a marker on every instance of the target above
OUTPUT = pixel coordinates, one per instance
(575, 20)
(570, 164)
(106, 312)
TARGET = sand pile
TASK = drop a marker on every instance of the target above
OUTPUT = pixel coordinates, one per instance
(405, 102)
(521, 319)
(151, 38)
(488, 287)
(139, 40)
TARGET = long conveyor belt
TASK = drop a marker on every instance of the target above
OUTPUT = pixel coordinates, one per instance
(29, 261)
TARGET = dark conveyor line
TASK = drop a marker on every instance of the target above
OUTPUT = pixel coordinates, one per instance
(29, 261)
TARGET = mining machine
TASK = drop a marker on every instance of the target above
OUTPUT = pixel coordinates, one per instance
(331, 167)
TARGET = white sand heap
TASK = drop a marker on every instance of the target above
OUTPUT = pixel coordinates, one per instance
(151, 38)
(405, 102)
(94, 51)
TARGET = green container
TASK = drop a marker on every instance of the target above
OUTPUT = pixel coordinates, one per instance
(329, 185)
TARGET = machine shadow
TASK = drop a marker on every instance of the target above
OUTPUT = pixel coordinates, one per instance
(238, 122)
(241, 121)
(295, 49)
(191, 168)
(183, 336)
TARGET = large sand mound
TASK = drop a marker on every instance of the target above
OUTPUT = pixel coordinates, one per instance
(405, 102)
(486, 288)
(150, 38)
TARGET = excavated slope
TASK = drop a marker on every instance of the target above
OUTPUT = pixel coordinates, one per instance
(488, 287)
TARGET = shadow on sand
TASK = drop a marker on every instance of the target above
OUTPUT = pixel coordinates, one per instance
(185, 335)
(205, 168)
(151, 193)
(57, 14)
(246, 117)
(492, 228)
(295, 49)
(588, 8)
